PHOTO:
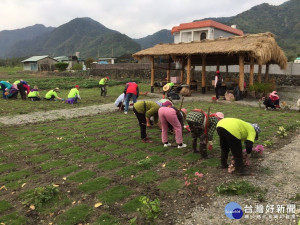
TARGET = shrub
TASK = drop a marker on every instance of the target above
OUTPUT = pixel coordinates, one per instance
(61, 66)
(77, 67)
(149, 209)
(39, 196)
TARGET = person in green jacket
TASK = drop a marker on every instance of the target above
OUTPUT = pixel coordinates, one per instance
(102, 85)
(34, 94)
(232, 132)
(73, 95)
(52, 94)
(143, 111)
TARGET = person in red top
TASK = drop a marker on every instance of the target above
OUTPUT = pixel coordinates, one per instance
(131, 91)
(272, 101)
(23, 86)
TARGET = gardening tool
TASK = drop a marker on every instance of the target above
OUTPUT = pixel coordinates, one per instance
(181, 103)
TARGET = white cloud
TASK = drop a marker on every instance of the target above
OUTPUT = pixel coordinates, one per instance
(135, 18)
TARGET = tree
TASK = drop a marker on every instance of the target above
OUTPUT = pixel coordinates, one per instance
(77, 67)
(89, 62)
(61, 66)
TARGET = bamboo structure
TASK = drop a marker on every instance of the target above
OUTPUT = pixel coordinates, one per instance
(259, 73)
(267, 73)
(251, 74)
(203, 83)
(242, 74)
(188, 71)
(152, 74)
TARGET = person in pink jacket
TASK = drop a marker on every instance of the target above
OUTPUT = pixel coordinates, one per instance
(168, 114)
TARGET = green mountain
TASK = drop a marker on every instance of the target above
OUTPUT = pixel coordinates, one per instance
(82, 35)
(9, 38)
(162, 36)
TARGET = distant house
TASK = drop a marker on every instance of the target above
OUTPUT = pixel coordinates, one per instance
(297, 60)
(200, 30)
(106, 60)
(39, 63)
(71, 60)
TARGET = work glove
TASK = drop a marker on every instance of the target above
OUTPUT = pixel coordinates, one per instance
(210, 147)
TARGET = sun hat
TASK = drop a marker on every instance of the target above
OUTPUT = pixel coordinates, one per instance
(166, 87)
(184, 110)
(257, 130)
(167, 103)
(220, 115)
(56, 89)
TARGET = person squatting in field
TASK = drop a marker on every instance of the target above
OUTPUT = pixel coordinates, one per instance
(202, 126)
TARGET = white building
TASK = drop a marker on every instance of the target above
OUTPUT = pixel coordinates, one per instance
(297, 60)
(200, 30)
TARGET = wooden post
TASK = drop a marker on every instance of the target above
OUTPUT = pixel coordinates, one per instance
(227, 71)
(242, 75)
(188, 72)
(218, 65)
(182, 71)
(152, 74)
(267, 73)
(259, 73)
(251, 76)
(168, 72)
(203, 77)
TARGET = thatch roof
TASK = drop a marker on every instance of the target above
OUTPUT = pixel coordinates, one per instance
(224, 51)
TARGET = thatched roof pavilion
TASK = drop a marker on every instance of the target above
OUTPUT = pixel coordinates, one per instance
(260, 49)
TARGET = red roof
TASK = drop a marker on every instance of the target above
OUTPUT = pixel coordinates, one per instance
(207, 23)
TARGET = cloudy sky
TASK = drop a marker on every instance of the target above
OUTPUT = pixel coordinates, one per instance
(135, 18)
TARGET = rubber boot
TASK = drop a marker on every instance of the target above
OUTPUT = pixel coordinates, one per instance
(224, 158)
(240, 167)
(195, 145)
(203, 151)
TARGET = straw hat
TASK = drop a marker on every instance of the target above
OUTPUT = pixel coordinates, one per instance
(166, 87)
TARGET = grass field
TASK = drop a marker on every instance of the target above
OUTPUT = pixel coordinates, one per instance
(101, 159)
(55, 173)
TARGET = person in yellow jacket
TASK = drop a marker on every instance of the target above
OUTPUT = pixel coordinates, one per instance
(34, 94)
(232, 132)
(73, 95)
(102, 85)
(52, 94)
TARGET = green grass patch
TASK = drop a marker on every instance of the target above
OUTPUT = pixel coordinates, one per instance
(109, 165)
(195, 169)
(173, 165)
(97, 158)
(213, 162)
(61, 145)
(106, 219)
(82, 176)
(99, 143)
(57, 202)
(114, 194)
(111, 147)
(13, 219)
(296, 198)
(174, 152)
(69, 151)
(158, 149)
(4, 206)
(122, 151)
(192, 157)
(129, 170)
(65, 170)
(94, 185)
(8, 166)
(236, 188)
(148, 177)
(30, 152)
(77, 214)
(12, 176)
(120, 138)
(137, 155)
(40, 158)
(171, 185)
(132, 205)
(82, 155)
(53, 164)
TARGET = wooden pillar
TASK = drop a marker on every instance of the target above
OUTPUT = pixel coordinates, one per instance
(188, 72)
(168, 72)
(227, 71)
(259, 73)
(218, 65)
(251, 76)
(242, 75)
(182, 71)
(203, 76)
(267, 73)
(152, 74)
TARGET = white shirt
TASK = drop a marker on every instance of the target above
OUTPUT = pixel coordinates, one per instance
(119, 99)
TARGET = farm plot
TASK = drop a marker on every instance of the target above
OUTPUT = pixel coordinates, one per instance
(94, 169)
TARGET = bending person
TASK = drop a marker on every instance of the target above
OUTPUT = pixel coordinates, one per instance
(73, 95)
(232, 132)
(52, 94)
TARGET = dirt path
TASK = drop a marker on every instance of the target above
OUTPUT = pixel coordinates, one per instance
(98, 109)
(282, 180)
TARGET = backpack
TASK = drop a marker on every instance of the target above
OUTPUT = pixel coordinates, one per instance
(173, 96)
